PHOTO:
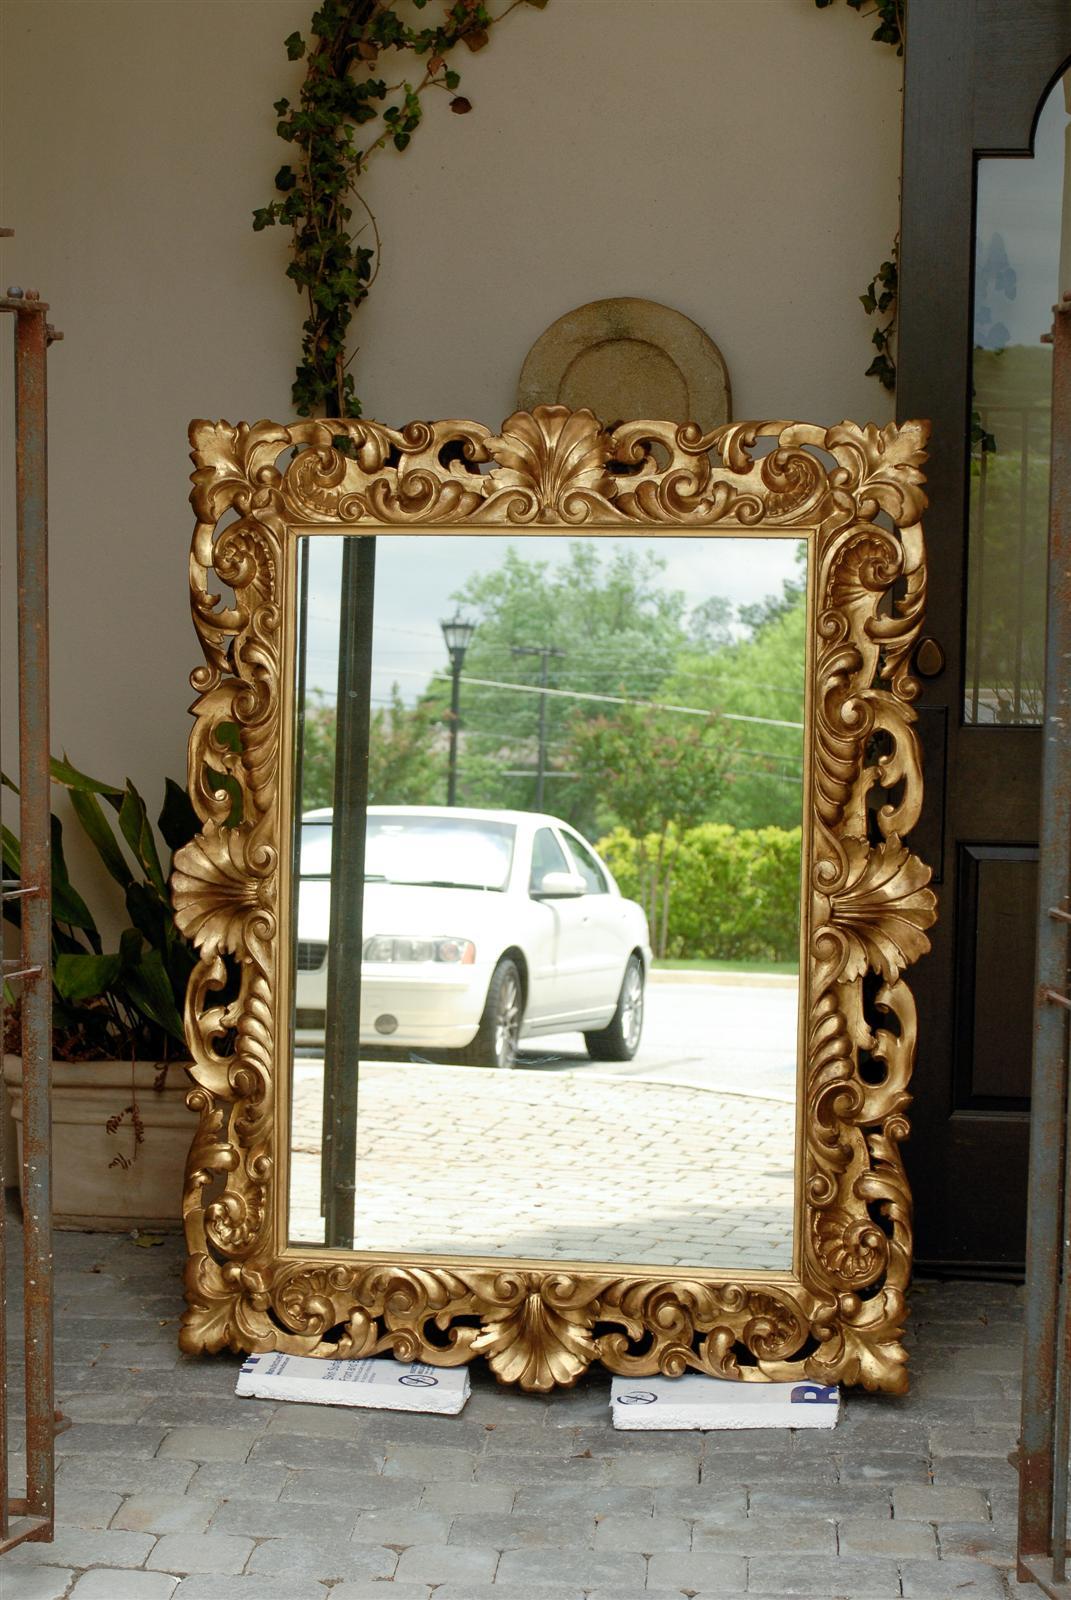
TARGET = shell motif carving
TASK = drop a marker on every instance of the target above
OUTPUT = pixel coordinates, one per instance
(856, 493)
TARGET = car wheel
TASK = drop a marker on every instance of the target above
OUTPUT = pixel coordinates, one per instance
(495, 1044)
(620, 1039)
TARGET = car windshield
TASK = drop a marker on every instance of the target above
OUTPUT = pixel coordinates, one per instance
(439, 851)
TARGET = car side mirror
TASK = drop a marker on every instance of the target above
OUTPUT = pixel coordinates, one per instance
(559, 886)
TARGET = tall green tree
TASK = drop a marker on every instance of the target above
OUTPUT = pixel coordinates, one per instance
(656, 774)
(760, 675)
(618, 631)
(406, 754)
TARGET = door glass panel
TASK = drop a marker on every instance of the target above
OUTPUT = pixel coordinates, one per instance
(1022, 230)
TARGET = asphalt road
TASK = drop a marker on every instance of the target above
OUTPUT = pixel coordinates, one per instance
(737, 1037)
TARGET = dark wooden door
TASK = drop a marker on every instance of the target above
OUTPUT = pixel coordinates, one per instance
(976, 73)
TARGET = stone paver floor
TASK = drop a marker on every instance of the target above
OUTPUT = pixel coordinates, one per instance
(169, 1488)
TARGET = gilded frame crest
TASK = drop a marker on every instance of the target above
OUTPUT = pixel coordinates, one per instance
(856, 493)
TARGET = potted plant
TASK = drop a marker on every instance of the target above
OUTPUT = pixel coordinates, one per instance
(121, 1128)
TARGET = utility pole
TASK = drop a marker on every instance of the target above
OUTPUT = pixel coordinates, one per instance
(544, 652)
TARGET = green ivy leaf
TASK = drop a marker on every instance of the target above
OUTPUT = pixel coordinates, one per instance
(295, 47)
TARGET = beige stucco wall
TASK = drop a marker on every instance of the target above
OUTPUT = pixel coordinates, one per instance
(736, 159)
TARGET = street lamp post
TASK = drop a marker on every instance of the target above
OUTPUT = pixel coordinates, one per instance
(458, 635)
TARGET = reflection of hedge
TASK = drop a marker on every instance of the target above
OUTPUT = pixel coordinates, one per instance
(734, 892)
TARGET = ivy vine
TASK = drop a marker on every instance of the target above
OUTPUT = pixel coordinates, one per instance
(344, 92)
(890, 15)
(881, 296)
(347, 111)
(880, 300)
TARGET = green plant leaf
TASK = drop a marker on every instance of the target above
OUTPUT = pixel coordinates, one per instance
(295, 46)
(137, 831)
(148, 912)
(90, 813)
(12, 855)
(178, 821)
(67, 904)
(70, 777)
(83, 977)
(150, 991)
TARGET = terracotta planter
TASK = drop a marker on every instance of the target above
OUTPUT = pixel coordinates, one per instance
(88, 1190)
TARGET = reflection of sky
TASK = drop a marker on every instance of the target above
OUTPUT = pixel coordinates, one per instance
(1020, 202)
(417, 576)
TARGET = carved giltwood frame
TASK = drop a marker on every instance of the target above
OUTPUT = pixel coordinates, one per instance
(855, 493)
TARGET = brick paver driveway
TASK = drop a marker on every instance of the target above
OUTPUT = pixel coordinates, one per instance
(580, 1166)
(682, 1157)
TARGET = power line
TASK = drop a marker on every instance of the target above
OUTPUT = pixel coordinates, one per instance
(580, 694)
(621, 700)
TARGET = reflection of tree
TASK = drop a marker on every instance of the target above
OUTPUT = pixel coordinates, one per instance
(760, 675)
(406, 763)
(619, 631)
(656, 774)
(996, 285)
(1009, 494)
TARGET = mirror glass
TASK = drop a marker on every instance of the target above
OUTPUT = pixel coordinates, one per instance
(546, 886)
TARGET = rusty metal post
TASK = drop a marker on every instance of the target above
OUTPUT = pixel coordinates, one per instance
(34, 822)
(33, 1515)
(1043, 1451)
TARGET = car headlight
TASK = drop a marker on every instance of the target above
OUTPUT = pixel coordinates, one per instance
(401, 947)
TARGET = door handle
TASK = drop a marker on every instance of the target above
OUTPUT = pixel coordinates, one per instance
(929, 659)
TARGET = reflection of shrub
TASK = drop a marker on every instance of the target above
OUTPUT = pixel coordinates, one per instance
(734, 895)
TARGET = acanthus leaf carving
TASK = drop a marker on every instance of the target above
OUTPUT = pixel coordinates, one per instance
(882, 909)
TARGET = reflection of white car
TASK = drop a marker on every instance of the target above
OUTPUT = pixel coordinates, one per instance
(479, 928)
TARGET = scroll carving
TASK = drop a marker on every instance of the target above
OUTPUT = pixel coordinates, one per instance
(839, 1318)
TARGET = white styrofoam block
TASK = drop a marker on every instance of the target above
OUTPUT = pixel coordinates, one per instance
(696, 1401)
(382, 1383)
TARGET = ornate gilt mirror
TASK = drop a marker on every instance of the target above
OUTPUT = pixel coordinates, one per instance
(501, 754)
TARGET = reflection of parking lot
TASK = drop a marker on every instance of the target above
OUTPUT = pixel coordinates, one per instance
(681, 1157)
(720, 1031)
